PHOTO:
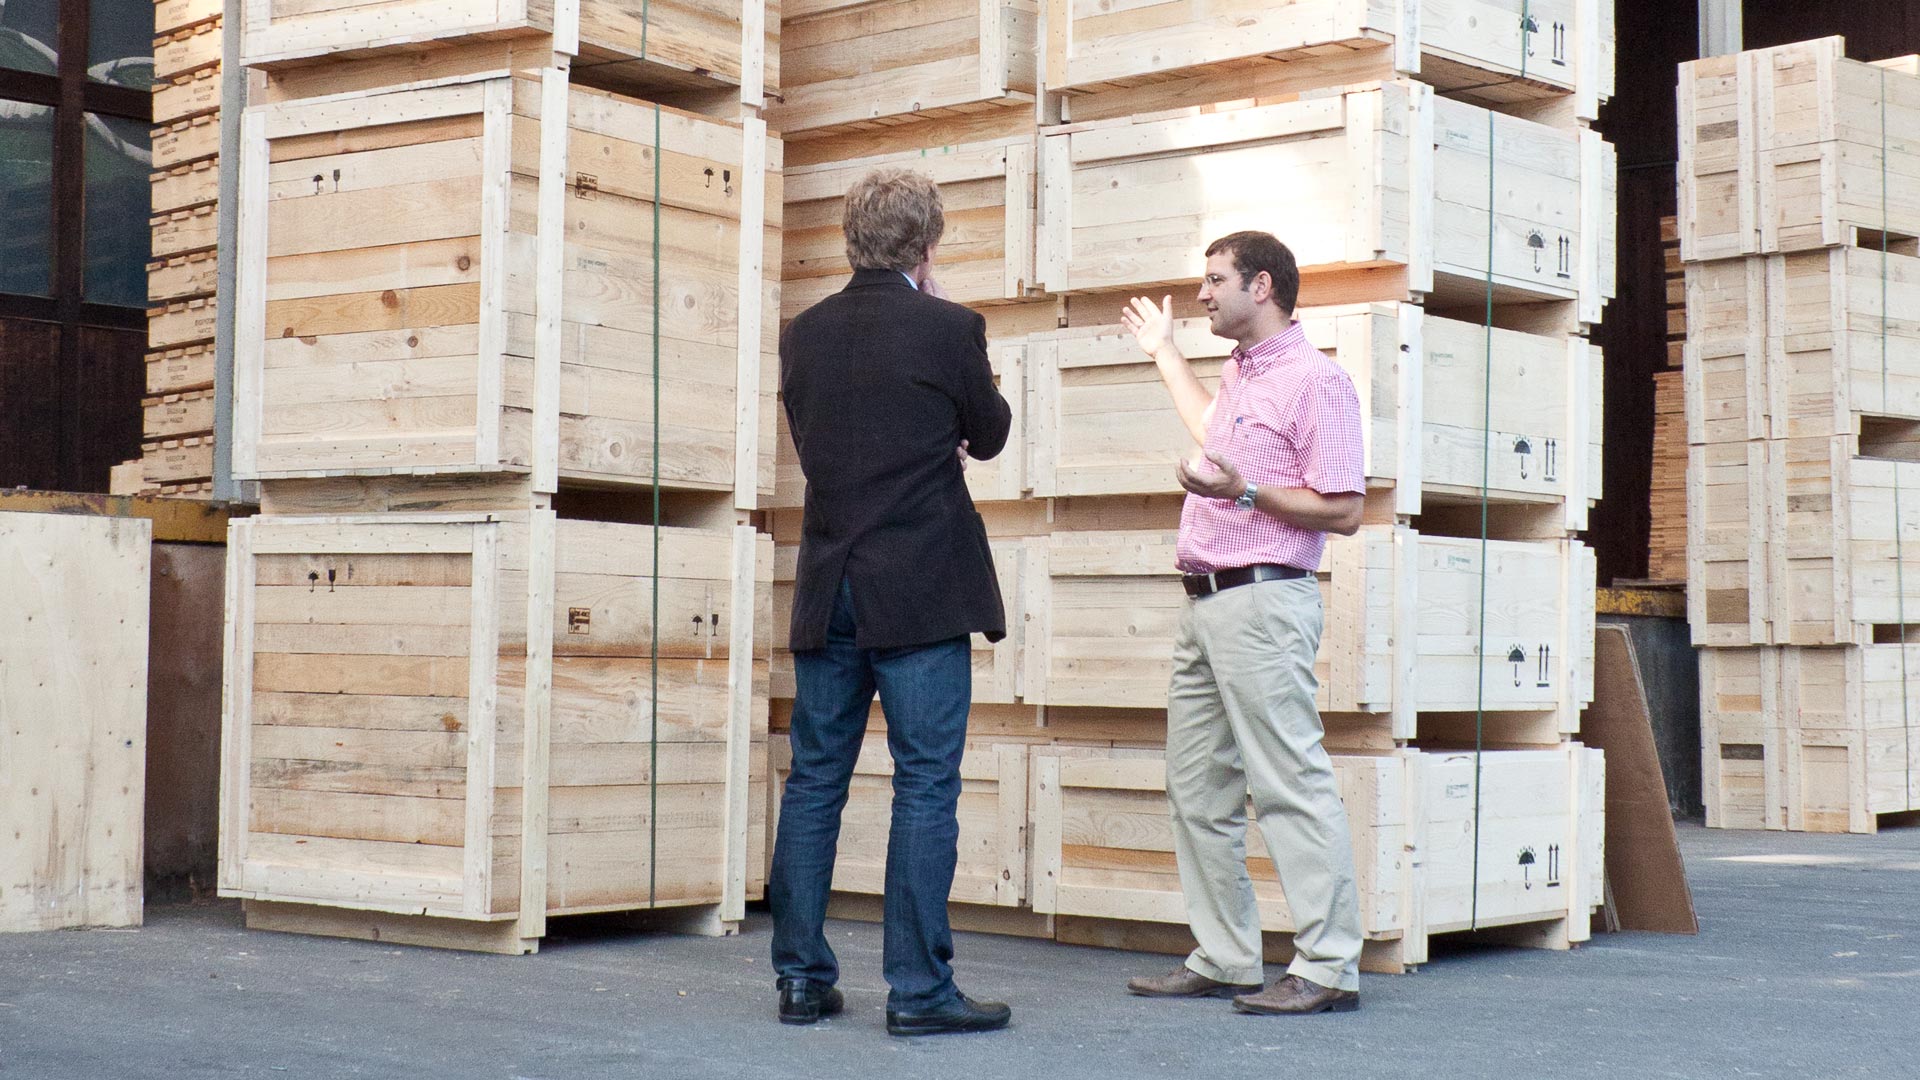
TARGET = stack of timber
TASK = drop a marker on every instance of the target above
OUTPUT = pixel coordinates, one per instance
(181, 275)
(1667, 502)
(499, 644)
(1799, 216)
(1440, 165)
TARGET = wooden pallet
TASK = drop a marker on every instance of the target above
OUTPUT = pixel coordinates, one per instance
(1497, 53)
(1780, 150)
(987, 193)
(179, 415)
(73, 751)
(1667, 501)
(180, 323)
(1814, 740)
(195, 183)
(1396, 178)
(404, 254)
(185, 141)
(181, 52)
(189, 367)
(852, 64)
(662, 46)
(183, 461)
(194, 93)
(397, 742)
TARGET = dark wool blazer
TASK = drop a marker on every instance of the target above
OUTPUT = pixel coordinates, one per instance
(880, 383)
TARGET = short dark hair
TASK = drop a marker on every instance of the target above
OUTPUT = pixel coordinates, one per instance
(1253, 252)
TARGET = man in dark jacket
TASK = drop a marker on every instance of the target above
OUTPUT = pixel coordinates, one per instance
(888, 390)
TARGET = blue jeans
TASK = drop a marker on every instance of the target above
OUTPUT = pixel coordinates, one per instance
(926, 691)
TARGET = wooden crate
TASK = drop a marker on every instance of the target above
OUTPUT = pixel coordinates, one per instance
(1810, 739)
(996, 665)
(1387, 178)
(73, 749)
(1805, 541)
(1102, 423)
(396, 741)
(185, 50)
(181, 231)
(183, 277)
(1401, 635)
(172, 370)
(192, 94)
(1501, 52)
(192, 184)
(185, 141)
(859, 63)
(1000, 478)
(181, 322)
(993, 858)
(431, 283)
(1802, 345)
(660, 45)
(987, 193)
(176, 416)
(1781, 150)
(1103, 843)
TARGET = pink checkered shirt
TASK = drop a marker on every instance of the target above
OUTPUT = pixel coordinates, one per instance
(1286, 417)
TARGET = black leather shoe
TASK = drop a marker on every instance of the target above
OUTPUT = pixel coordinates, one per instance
(803, 1001)
(965, 1014)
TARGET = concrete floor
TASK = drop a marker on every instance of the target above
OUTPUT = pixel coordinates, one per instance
(1808, 965)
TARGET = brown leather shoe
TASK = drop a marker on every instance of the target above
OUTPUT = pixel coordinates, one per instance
(1295, 996)
(1185, 982)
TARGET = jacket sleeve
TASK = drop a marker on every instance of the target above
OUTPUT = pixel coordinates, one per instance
(985, 417)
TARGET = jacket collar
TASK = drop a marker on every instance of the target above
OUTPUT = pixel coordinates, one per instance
(864, 279)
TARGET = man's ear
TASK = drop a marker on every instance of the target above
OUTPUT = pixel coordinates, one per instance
(1261, 286)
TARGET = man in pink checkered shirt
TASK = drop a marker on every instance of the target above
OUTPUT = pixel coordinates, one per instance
(1281, 467)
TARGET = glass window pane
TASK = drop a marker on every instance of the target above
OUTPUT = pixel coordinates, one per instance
(30, 35)
(119, 238)
(119, 42)
(26, 198)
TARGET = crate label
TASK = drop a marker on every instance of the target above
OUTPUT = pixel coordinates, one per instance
(579, 620)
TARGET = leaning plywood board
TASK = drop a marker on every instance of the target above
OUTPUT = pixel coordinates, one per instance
(1801, 345)
(1103, 424)
(999, 478)
(987, 196)
(1403, 627)
(73, 719)
(1382, 178)
(996, 665)
(1491, 51)
(1796, 148)
(992, 818)
(432, 282)
(858, 63)
(664, 44)
(397, 741)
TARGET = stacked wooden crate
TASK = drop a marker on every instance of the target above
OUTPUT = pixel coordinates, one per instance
(181, 276)
(498, 646)
(1799, 212)
(1433, 166)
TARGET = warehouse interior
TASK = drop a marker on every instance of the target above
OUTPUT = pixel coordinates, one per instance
(127, 306)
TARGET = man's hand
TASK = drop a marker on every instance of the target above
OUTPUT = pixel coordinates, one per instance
(1152, 327)
(1223, 482)
(963, 455)
(933, 288)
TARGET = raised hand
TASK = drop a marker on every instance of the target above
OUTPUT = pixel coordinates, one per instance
(933, 288)
(1151, 327)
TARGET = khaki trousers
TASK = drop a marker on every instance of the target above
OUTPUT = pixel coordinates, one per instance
(1240, 721)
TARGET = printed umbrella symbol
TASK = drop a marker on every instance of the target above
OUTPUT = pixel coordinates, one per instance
(1526, 861)
(1516, 656)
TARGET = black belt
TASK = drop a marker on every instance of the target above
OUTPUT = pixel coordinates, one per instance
(1207, 584)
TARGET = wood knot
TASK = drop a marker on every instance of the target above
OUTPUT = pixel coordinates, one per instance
(389, 299)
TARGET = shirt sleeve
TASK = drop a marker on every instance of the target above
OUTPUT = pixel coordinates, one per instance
(1328, 437)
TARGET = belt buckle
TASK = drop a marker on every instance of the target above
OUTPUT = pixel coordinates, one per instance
(1213, 583)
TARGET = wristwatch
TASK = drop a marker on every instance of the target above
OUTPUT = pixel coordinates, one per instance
(1245, 501)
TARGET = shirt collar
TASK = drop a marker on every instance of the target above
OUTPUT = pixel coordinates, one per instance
(1264, 354)
(910, 281)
